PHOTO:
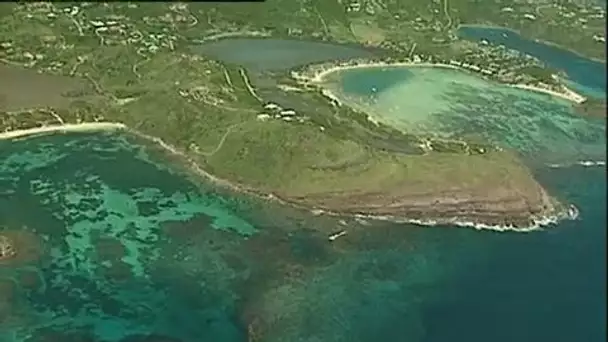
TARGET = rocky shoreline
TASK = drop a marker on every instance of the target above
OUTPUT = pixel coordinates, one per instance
(497, 207)
(500, 210)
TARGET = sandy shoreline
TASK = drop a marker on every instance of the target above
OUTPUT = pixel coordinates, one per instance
(80, 127)
(567, 94)
(319, 77)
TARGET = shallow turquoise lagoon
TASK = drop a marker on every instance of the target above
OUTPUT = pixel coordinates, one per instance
(455, 104)
(98, 229)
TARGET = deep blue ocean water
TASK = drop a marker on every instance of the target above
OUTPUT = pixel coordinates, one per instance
(545, 286)
(587, 76)
(541, 286)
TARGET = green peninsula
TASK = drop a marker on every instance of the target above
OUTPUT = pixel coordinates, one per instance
(134, 64)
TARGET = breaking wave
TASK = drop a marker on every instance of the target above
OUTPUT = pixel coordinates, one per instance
(536, 222)
(584, 163)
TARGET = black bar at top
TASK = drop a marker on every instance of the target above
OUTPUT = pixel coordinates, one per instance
(225, 1)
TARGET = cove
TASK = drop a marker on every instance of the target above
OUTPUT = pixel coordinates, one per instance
(587, 76)
(453, 103)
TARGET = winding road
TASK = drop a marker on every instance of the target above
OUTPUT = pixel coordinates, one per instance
(447, 14)
(222, 140)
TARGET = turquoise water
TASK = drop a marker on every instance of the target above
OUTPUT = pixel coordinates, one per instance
(452, 104)
(102, 231)
(358, 81)
(586, 76)
(116, 246)
(542, 286)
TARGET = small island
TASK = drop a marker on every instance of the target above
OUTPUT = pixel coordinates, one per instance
(19, 248)
(7, 248)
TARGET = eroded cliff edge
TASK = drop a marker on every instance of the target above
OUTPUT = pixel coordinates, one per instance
(497, 190)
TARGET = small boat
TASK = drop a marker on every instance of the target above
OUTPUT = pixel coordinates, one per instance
(332, 237)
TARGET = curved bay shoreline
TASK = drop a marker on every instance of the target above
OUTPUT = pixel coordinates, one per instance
(316, 74)
(511, 210)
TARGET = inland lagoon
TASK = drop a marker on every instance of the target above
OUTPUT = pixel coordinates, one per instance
(273, 54)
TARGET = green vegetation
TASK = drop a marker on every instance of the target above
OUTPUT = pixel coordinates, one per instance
(135, 66)
(538, 72)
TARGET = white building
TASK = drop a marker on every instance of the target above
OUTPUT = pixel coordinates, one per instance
(271, 106)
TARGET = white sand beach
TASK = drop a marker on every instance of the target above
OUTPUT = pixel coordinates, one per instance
(81, 127)
(320, 76)
(566, 94)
